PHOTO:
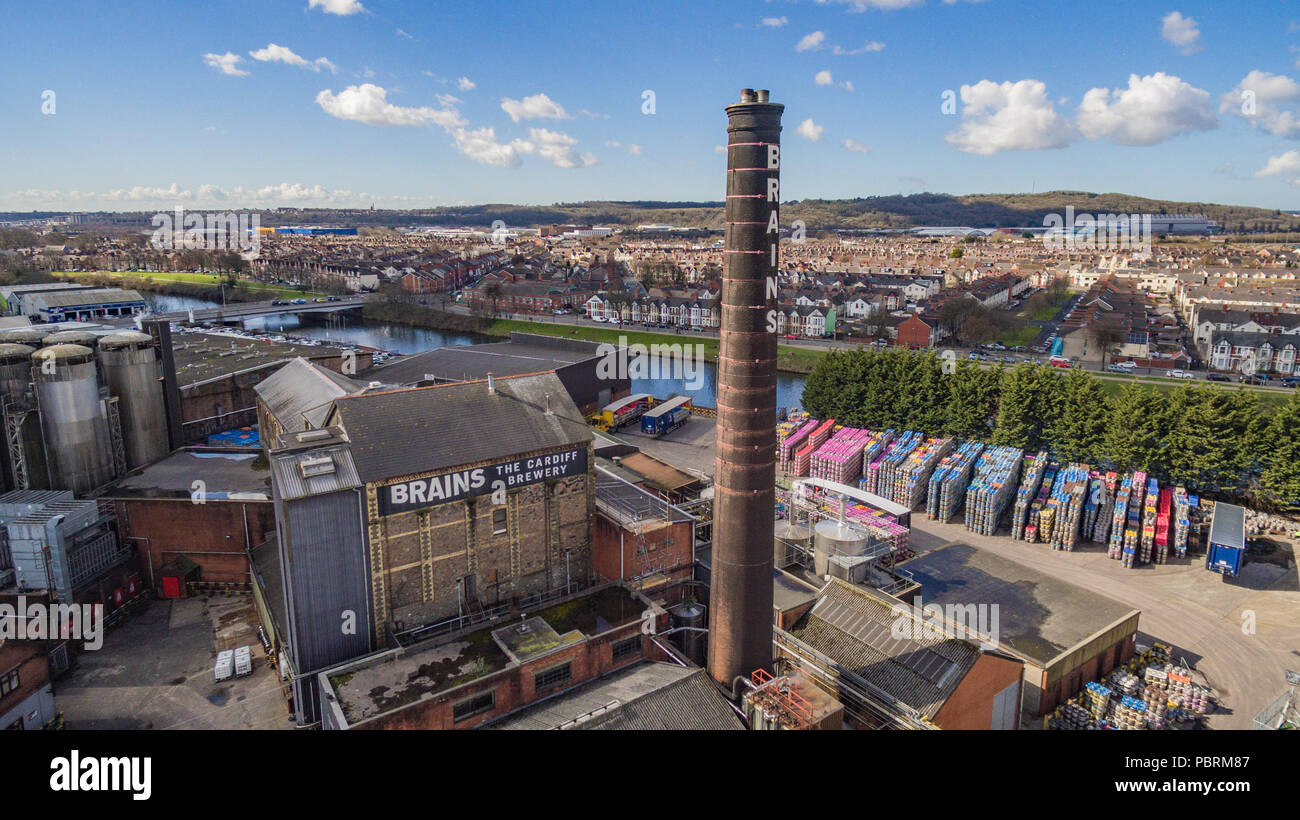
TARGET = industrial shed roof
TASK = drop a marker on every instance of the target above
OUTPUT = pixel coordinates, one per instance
(463, 362)
(301, 392)
(853, 627)
(98, 296)
(418, 430)
(327, 469)
(227, 476)
(646, 697)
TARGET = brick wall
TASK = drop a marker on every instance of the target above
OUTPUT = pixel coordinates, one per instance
(162, 529)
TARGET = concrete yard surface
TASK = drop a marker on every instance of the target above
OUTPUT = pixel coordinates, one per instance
(689, 447)
(154, 671)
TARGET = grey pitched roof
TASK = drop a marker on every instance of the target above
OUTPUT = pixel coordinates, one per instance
(460, 362)
(416, 430)
(300, 387)
(853, 628)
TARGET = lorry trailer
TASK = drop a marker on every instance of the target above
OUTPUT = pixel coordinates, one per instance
(619, 413)
(1225, 552)
(667, 416)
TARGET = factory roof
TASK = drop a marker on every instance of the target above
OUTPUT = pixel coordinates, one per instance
(632, 506)
(298, 394)
(226, 475)
(647, 697)
(855, 628)
(267, 569)
(417, 430)
(655, 473)
(202, 357)
(95, 296)
(1039, 616)
(325, 469)
(464, 362)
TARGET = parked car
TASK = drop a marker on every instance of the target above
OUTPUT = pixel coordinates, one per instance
(1126, 366)
(332, 299)
(1289, 381)
(1178, 374)
(1216, 377)
(1114, 368)
(1257, 380)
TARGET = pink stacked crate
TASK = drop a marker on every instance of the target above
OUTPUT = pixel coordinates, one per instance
(881, 527)
(840, 458)
(803, 456)
(792, 441)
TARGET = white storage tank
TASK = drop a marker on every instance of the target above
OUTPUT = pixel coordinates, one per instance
(836, 538)
(72, 418)
(130, 365)
(791, 540)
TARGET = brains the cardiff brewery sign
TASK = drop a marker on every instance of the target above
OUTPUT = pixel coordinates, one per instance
(426, 492)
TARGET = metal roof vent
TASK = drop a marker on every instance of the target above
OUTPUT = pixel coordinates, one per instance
(492, 387)
(316, 466)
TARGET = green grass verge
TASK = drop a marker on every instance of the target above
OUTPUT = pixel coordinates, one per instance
(1022, 336)
(1270, 400)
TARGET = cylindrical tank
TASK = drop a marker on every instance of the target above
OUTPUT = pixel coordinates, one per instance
(71, 337)
(836, 538)
(787, 537)
(72, 418)
(692, 643)
(15, 372)
(24, 335)
(131, 373)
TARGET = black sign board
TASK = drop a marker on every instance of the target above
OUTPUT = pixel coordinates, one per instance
(508, 475)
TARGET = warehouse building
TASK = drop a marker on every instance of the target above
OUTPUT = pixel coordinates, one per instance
(81, 305)
(1066, 636)
(414, 509)
(638, 537)
(575, 362)
(850, 645)
(298, 397)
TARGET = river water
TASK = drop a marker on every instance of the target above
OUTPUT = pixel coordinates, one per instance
(408, 340)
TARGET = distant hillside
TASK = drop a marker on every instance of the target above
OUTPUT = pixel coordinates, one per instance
(975, 210)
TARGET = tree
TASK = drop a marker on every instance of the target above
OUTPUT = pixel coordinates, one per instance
(1135, 430)
(1078, 431)
(1280, 481)
(973, 394)
(956, 253)
(492, 290)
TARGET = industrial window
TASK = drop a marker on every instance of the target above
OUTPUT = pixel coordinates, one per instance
(498, 521)
(475, 705)
(627, 647)
(553, 677)
(9, 683)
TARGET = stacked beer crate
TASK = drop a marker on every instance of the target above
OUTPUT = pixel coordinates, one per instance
(1133, 524)
(1030, 480)
(991, 488)
(1161, 553)
(874, 469)
(803, 456)
(1150, 518)
(1035, 525)
(881, 527)
(910, 476)
(1098, 699)
(1105, 515)
(789, 438)
(1182, 521)
(1068, 497)
(949, 480)
(1118, 516)
(876, 447)
(840, 458)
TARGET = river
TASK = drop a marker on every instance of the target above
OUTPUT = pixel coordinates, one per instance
(408, 340)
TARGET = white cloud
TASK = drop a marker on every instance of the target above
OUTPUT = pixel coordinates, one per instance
(227, 63)
(856, 147)
(1287, 164)
(847, 86)
(282, 54)
(1008, 117)
(1181, 31)
(719, 149)
(810, 130)
(634, 150)
(858, 6)
(872, 46)
(823, 78)
(466, 84)
(811, 42)
(148, 196)
(369, 103)
(400, 33)
(340, 7)
(1152, 109)
(1256, 99)
(534, 107)
(774, 22)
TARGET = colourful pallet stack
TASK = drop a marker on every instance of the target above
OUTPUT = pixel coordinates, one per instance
(1105, 516)
(1131, 713)
(991, 488)
(949, 480)
(1097, 698)
(909, 477)
(1161, 553)
(874, 470)
(1041, 529)
(1133, 523)
(795, 436)
(1030, 480)
(1182, 521)
(840, 458)
(881, 527)
(1068, 496)
(803, 456)
(1119, 515)
(1150, 519)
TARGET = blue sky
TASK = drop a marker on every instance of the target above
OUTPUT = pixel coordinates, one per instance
(277, 102)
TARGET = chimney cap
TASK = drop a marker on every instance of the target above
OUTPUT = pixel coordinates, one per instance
(747, 95)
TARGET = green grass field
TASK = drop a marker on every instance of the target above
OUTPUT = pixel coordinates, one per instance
(1022, 336)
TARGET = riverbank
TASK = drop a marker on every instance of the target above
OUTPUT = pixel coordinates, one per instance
(191, 285)
(794, 360)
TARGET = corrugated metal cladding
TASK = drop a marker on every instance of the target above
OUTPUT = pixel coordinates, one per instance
(298, 387)
(291, 483)
(325, 579)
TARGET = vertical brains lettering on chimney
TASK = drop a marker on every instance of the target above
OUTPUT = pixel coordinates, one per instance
(740, 624)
